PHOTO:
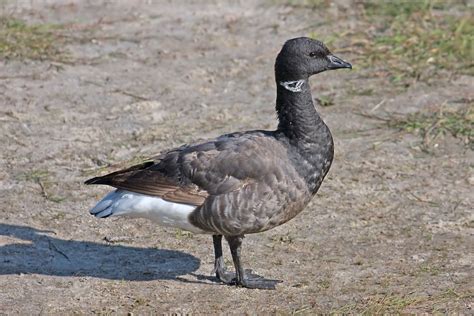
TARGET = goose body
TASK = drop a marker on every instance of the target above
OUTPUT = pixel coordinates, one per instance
(239, 183)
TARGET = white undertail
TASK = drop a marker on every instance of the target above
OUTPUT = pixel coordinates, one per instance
(131, 204)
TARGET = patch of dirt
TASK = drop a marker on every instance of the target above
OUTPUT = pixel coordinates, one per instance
(391, 229)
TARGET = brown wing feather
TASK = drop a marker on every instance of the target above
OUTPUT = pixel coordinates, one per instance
(141, 179)
(191, 174)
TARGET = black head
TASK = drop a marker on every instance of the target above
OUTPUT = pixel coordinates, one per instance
(303, 57)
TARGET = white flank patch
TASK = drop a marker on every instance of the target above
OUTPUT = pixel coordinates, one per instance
(130, 204)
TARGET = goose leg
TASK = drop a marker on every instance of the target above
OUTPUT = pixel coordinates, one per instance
(245, 278)
(219, 266)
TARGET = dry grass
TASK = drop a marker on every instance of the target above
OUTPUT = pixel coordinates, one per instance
(21, 41)
(311, 4)
(403, 304)
(414, 40)
(45, 181)
(458, 123)
(415, 37)
(409, 41)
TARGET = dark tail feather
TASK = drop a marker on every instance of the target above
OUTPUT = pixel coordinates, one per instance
(107, 179)
(98, 180)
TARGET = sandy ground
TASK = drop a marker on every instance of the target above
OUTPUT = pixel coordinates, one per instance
(391, 229)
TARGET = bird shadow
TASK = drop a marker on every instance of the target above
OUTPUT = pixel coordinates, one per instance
(29, 250)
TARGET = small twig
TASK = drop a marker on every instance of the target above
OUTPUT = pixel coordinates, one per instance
(422, 200)
(390, 136)
(131, 94)
(372, 116)
(43, 189)
(114, 240)
(457, 205)
(12, 114)
(54, 248)
(18, 76)
(377, 105)
(426, 139)
(416, 197)
(19, 142)
(94, 83)
(117, 90)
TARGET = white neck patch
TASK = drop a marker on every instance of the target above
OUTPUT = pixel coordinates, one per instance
(293, 86)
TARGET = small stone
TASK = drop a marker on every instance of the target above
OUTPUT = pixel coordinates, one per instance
(470, 180)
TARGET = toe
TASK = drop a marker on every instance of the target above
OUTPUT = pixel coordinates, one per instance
(226, 277)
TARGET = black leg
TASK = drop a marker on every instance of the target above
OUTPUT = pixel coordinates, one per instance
(219, 266)
(245, 278)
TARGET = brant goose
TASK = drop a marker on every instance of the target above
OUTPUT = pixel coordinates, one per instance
(239, 183)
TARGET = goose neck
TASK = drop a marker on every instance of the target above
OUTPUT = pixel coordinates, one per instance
(298, 118)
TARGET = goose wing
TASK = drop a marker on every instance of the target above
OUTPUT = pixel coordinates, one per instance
(191, 173)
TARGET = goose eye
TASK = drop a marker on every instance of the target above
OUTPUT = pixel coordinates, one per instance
(313, 54)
